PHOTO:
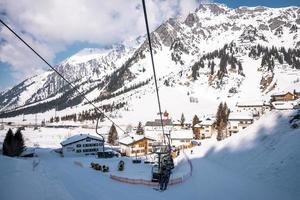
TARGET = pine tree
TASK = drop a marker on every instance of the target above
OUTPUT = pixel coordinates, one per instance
(112, 135)
(19, 142)
(182, 120)
(212, 68)
(195, 131)
(225, 115)
(219, 122)
(7, 148)
(195, 120)
(140, 130)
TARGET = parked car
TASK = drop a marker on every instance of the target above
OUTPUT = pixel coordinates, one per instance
(108, 154)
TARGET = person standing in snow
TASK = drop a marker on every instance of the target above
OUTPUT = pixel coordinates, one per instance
(167, 178)
(162, 178)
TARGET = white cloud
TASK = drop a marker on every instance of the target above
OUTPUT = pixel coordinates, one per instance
(50, 25)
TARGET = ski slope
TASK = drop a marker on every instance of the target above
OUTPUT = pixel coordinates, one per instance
(261, 162)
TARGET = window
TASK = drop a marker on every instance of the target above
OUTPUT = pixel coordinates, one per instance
(78, 145)
(69, 148)
(141, 145)
(181, 140)
(78, 151)
(88, 140)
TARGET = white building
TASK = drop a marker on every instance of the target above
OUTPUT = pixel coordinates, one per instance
(206, 128)
(181, 138)
(82, 144)
(239, 121)
(156, 125)
(257, 108)
(136, 145)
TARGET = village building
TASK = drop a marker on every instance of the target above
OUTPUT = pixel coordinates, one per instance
(156, 125)
(177, 125)
(285, 105)
(81, 145)
(207, 129)
(239, 121)
(257, 108)
(136, 145)
(288, 96)
(182, 138)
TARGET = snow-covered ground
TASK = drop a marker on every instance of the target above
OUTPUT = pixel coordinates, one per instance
(261, 162)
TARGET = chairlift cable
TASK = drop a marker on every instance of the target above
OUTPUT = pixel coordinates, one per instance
(81, 94)
(153, 67)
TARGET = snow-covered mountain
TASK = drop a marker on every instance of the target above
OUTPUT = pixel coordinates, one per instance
(213, 55)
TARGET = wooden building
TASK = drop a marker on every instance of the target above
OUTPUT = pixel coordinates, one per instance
(288, 96)
(136, 145)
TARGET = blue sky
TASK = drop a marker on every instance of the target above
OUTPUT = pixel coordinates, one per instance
(61, 39)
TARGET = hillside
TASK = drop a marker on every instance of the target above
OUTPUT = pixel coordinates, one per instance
(119, 80)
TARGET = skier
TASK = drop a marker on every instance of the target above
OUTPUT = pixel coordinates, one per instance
(162, 178)
(167, 178)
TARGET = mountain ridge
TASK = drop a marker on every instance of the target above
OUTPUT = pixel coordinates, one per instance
(178, 45)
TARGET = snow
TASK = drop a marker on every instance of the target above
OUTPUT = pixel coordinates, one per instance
(207, 122)
(284, 105)
(181, 134)
(133, 138)
(78, 137)
(240, 116)
(261, 162)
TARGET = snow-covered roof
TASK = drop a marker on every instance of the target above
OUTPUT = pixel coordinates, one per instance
(207, 122)
(253, 103)
(240, 116)
(77, 138)
(133, 138)
(182, 134)
(197, 125)
(284, 105)
(157, 122)
(280, 93)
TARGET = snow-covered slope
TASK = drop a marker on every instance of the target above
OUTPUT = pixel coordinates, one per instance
(261, 162)
(184, 51)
